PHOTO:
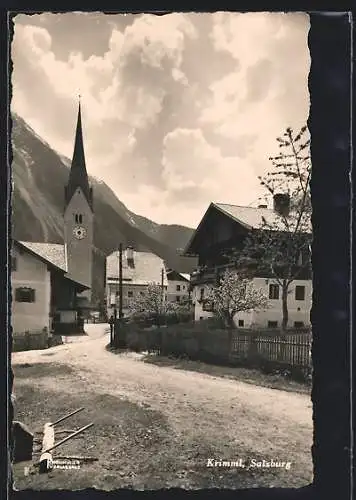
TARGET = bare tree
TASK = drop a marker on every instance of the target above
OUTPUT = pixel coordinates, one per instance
(234, 294)
(281, 245)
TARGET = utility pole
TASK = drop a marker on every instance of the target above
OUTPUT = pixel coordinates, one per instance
(162, 284)
(120, 281)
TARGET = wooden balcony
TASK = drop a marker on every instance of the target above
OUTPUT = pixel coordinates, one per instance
(207, 275)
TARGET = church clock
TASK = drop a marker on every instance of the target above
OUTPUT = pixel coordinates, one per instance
(79, 232)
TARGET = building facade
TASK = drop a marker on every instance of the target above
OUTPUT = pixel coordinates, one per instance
(43, 295)
(139, 269)
(221, 232)
(178, 287)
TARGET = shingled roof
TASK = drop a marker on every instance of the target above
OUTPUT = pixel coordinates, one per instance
(52, 253)
(147, 268)
(251, 217)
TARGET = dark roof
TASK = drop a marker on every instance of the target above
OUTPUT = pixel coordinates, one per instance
(147, 268)
(78, 176)
(176, 276)
(248, 217)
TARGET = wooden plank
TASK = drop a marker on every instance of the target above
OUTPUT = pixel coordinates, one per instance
(64, 440)
(46, 459)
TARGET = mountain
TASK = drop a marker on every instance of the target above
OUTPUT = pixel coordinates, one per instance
(39, 176)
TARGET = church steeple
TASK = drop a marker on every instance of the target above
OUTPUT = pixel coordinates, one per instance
(78, 177)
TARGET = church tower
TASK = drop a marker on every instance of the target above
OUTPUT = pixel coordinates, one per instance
(79, 216)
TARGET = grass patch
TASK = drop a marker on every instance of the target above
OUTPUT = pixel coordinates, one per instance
(39, 370)
(248, 375)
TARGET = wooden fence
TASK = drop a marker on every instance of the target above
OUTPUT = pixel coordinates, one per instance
(266, 349)
(292, 350)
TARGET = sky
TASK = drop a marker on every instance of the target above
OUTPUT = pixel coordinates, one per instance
(178, 110)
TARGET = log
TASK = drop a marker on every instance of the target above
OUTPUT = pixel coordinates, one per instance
(46, 459)
(75, 457)
(67, 416)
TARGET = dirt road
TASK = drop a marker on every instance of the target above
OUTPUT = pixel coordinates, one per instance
(165, 424)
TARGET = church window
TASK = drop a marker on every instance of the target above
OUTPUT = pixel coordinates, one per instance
(78, 218)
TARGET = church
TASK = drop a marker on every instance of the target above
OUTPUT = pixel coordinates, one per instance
(52, 283)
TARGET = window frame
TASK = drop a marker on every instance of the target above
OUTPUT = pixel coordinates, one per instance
(275, 287)
(272, 324)
(299, 288)
(25, 289)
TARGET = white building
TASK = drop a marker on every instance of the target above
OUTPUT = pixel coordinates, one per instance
(222, 230)
(42, 290)
(139, 269)
(178, 287)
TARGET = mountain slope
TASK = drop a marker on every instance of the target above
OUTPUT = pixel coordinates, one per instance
(39, 177)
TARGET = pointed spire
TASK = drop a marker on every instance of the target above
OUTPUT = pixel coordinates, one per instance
(78, 176)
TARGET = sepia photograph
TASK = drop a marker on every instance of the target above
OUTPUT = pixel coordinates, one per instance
(161, 277)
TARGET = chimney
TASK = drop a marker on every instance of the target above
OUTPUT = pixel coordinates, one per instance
(281, 204)
(130, 256)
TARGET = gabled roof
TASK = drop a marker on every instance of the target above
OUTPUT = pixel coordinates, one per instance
(176, 276)
(147, 268)
(51, 253)
(248, 217)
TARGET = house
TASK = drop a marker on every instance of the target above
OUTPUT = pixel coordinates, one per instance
(52, 282)
(43, 294)
(139, 269)
(221, 231)
(178, 287)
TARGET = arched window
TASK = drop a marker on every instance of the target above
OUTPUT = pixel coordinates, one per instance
(78, 218)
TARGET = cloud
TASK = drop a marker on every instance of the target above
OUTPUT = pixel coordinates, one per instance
(178, 110)
(196, 172)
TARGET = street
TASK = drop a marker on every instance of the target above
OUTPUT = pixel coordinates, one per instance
(157, 427)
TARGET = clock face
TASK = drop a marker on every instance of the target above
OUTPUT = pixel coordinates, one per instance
(79, 232)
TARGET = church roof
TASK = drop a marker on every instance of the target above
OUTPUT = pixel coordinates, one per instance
(78, 176)
(147, 268)
(53, 253)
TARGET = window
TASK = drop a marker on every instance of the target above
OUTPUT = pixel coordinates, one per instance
(178, 288)
(298, 324)
(130, 293)
(177, 298)
(142, 293)
(202, 294)
(272, 324)
(299, 292)
(25, 295)
(183, 287)
(78, 218)
(241, 322)
(274, 292)
(13, 263)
